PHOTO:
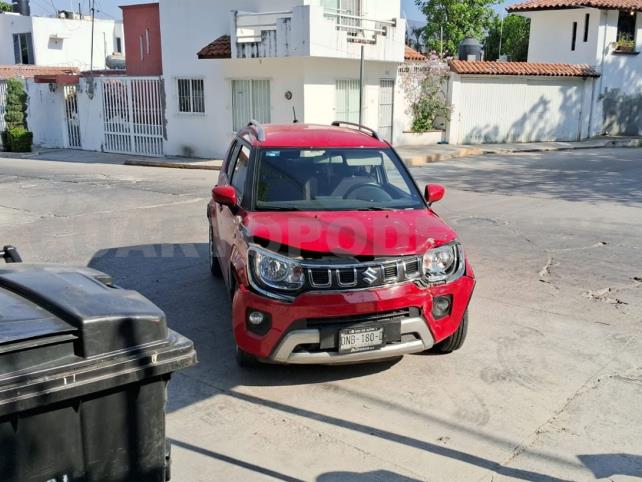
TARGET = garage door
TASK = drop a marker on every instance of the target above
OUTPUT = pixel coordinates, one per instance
(519, 110)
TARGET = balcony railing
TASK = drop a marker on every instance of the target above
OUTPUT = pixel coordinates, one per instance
(315, 32)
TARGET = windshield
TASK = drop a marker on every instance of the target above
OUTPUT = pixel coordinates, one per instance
(332, 180)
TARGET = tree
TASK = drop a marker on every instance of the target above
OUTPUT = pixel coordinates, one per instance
(514, 35)
(16, 137)
(457, 19)
(5, 7)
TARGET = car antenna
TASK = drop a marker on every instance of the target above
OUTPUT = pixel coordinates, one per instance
(296, 121)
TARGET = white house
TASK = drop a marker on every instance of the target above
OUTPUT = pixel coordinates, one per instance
(62, 42)
(605, 34)
(275, 61)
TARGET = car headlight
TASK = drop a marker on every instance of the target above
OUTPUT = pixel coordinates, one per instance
(445, 263)
(275, 271)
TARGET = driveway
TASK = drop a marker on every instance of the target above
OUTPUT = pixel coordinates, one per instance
(548, 386)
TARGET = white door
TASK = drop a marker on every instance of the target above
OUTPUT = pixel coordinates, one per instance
(347, 102)
(386, 107)
(250, 101)
(71, 117)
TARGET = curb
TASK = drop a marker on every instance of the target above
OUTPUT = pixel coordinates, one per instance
(172, 165)
(419, 160)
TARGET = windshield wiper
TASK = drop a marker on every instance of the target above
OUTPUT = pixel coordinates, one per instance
(279, 208)
(376, 208)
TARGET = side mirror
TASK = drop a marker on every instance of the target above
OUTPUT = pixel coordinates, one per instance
(435, 193)
(225, 196)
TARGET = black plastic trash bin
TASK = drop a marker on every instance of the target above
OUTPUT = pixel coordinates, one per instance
(84, 368)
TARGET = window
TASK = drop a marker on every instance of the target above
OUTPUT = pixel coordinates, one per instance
(23, 48)
(239, 176)
(587, 21)
(229, 161)
(191, 96)
(250, 101)
(147, 40)
(347, 103)
(119, 45)
(626, 29)
(573, 42)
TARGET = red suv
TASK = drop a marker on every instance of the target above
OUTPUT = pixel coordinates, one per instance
(329, 250)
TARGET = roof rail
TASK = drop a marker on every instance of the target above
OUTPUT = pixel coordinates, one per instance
(360, 127)
(258, 129)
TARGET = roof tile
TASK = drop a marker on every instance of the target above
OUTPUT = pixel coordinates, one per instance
(30, 71)
(531, 5)
(221, 48)
(522, 68)
(412, 55)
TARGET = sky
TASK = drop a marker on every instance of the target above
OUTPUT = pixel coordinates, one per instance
(109, 8)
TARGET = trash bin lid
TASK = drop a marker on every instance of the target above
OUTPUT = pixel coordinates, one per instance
(67, 331)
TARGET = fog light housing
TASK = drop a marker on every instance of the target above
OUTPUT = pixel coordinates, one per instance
(258, 322)
(442, 306)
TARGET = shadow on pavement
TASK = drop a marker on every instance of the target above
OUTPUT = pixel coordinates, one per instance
(605, 175)
(605, 466)
(177, 279)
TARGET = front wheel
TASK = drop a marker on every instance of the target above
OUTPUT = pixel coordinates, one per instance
(456, 340)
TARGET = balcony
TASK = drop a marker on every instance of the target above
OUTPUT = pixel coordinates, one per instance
(313, 31)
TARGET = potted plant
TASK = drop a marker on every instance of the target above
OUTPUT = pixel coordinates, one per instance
(625, 43)
(16, 137)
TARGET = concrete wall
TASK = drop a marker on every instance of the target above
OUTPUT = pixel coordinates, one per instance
(497, 109)
(142, 25)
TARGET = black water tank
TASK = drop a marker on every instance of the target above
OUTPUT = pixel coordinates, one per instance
(22, 7)
(470, 49)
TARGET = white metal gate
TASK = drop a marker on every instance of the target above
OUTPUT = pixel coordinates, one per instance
(71, 117)
(133, 115)
(386, 106)
(3, 103)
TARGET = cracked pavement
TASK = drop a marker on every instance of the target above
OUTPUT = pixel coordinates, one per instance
(547, 387)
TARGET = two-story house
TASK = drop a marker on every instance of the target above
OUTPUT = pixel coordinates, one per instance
(227, 62)
(605, 34)
(63, 41)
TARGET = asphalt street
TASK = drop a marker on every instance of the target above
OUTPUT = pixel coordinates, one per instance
(547, 387)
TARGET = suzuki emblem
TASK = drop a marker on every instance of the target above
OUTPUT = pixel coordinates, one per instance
(371, 275)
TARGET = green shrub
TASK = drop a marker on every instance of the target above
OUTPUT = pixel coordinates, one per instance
(16, 138)
(19, 139)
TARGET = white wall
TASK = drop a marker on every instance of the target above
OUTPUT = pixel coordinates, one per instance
(552, 33)
(496, 109)
(74, 50)
(45, 115)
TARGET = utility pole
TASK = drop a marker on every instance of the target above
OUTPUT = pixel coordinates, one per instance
(361, 72)
(501, 38)
(93, 18)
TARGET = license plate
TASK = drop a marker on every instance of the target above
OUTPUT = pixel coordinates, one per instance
(360, 339)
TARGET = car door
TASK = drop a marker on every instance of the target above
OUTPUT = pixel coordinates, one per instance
(227, 219)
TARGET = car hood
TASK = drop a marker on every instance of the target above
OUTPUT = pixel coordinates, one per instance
(350, 233)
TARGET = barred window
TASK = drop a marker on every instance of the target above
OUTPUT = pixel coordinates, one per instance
(191, 96)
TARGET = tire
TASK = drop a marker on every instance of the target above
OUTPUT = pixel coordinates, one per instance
(245, 359)
(215, 266)
(456, 340)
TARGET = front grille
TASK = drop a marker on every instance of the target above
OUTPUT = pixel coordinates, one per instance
(361, 276)
(370, 318)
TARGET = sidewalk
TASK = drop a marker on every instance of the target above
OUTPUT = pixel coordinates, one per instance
(419, 155)
(90, 157)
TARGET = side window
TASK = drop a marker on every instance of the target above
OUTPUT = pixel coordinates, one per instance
(394, 176)
(239, 175)
(229, 160)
